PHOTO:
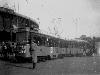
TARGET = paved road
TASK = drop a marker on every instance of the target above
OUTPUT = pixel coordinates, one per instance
(66, 66)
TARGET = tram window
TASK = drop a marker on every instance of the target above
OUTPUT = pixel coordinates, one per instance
(7, 24)
(47, 39)
(50, 43)
(35, 39)
(55, 43)
(20, 36)
(47, 43)
(39, 40)
(1, 23)
(43, 40)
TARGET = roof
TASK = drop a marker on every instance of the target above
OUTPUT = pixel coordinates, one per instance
(79, 40)
(10, 11)
(26, 17)
(21, 19)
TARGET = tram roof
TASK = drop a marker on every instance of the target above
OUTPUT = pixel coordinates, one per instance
(43, 35)
(48, 36)
(79, 40)
(11, 12)
(25, 17)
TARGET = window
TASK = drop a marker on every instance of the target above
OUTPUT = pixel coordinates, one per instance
(21, 36)
(1, 23)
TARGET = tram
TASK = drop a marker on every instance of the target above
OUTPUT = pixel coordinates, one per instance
(50, 47)
(20, 31)
(10, 22)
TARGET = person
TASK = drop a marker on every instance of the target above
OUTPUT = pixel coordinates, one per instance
(4, 50)
(33, 53)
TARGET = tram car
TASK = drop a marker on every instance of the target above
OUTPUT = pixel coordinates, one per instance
(79, 48)
(21, 29)
(46, 46)
(50, 47)
(10, 21)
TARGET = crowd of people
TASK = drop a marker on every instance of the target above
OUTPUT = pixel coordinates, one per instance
(7, 49)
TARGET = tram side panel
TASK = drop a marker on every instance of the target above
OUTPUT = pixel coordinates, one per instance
(42, 52)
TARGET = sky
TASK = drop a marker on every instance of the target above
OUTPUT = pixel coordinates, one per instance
(70, 18)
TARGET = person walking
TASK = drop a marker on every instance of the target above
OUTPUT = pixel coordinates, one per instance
(33, 53)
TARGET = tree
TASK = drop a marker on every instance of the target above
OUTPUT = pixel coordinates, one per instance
(55, 30)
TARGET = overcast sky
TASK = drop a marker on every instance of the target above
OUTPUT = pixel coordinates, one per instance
(72, 18)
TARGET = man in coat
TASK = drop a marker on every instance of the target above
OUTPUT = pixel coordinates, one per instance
(33, 53)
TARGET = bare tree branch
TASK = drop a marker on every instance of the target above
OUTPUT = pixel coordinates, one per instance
(26, 1)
